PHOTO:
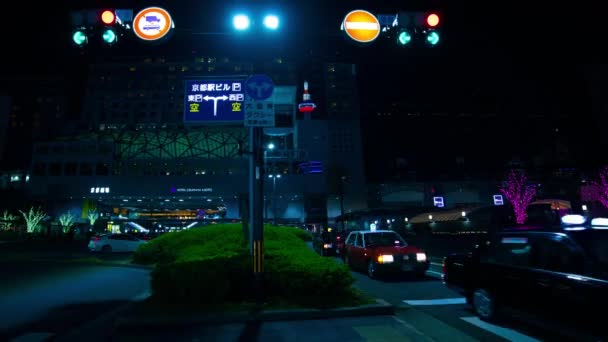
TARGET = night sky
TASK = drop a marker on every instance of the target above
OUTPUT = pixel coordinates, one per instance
(490, 50)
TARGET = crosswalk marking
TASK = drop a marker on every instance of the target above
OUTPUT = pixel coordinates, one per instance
(444, 301)
(506, 333)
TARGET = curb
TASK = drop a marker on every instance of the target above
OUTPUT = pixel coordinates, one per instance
(381, 308)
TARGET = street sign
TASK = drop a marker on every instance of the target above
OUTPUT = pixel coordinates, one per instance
(438, 202)
(259, 113)
(498, 200)
(213, 100)
(152, 23)
(259, 102)
(361, 26)
(259, 87)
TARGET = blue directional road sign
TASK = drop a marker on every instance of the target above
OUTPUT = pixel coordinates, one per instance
(259, 87)
(214, 100)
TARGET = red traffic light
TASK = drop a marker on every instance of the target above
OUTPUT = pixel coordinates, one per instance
(432, 20)
(108, 17)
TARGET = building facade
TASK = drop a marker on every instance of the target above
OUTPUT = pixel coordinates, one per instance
(132, 154)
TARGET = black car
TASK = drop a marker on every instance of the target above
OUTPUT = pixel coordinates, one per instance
(327, 243)
(558, 275)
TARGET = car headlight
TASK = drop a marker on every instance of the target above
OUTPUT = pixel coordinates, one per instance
(384, 259)
(327, 245)
(420, 257)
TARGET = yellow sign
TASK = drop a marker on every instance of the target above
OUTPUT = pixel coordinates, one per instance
(194, 107)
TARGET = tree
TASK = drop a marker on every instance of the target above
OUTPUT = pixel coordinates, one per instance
(519, 193)
(601, 186)
(32, 218)
(93, 215)
(67, 221)
(7, 220)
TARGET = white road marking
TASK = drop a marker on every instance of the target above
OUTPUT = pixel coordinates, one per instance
(435, 274)
(33, 337)
(505, 333)
(444, 301)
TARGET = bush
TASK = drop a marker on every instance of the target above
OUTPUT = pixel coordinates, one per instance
(211, 265)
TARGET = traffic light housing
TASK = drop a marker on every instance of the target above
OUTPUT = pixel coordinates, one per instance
(418, 29)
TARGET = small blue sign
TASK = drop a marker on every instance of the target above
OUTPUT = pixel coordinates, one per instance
(259, 87)
(213, 100)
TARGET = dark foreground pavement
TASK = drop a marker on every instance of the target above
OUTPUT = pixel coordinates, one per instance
(53, 298)
(374, 328)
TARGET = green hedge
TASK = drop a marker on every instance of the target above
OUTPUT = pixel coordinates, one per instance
(211, 265)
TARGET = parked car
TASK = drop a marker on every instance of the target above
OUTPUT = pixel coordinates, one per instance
(107, 243)
(383, 251)
(327, 243)
(558, 274)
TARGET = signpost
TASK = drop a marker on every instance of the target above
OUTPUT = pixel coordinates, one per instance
(259, 103)
(258, 88)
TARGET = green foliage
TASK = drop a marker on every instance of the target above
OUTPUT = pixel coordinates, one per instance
(211, 265)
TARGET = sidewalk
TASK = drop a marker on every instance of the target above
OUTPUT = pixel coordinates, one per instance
(372, 328)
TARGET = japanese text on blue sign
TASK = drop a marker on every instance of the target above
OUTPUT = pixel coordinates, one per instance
(213, 100)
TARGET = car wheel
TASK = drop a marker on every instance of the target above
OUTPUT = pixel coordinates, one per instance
(484, 304)
(371, 269)
(106, 249)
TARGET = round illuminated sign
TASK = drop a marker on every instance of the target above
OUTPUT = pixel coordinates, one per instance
(152, 23)
(361, 26)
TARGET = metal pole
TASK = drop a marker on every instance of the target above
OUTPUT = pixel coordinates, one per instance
(257, 212)
(274, 200)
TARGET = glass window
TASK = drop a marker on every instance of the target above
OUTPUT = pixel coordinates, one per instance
(102, 169)
(351, 239)
(55, 169)
(71, 169)
(383, 239)
(86, 169)
(511, 250)
(555, 256)
(39, 169)
(358, 241)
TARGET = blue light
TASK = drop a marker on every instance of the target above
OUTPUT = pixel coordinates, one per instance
(271, 22)
(241, 22)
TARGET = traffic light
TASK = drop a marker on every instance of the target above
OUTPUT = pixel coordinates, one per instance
(404, 37)
(79, 37)
(108, 17)
(109, 36)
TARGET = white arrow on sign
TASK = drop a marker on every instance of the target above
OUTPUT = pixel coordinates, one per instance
(215, 99)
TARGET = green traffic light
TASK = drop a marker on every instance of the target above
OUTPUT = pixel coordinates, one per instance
(109, 36)
(79, 38)
(432, 38)
(404, 38)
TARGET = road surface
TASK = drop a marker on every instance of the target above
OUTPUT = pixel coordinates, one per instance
(50, 299)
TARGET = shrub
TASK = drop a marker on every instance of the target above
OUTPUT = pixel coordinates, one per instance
(211, 265)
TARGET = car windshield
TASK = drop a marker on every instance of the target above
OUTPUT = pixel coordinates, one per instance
(383, 239)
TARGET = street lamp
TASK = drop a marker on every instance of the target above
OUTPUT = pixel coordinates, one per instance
(271, 22)
(241, 22)
(274, 197)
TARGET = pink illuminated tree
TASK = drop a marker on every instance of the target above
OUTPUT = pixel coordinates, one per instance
(519, 193)
(601, 187)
